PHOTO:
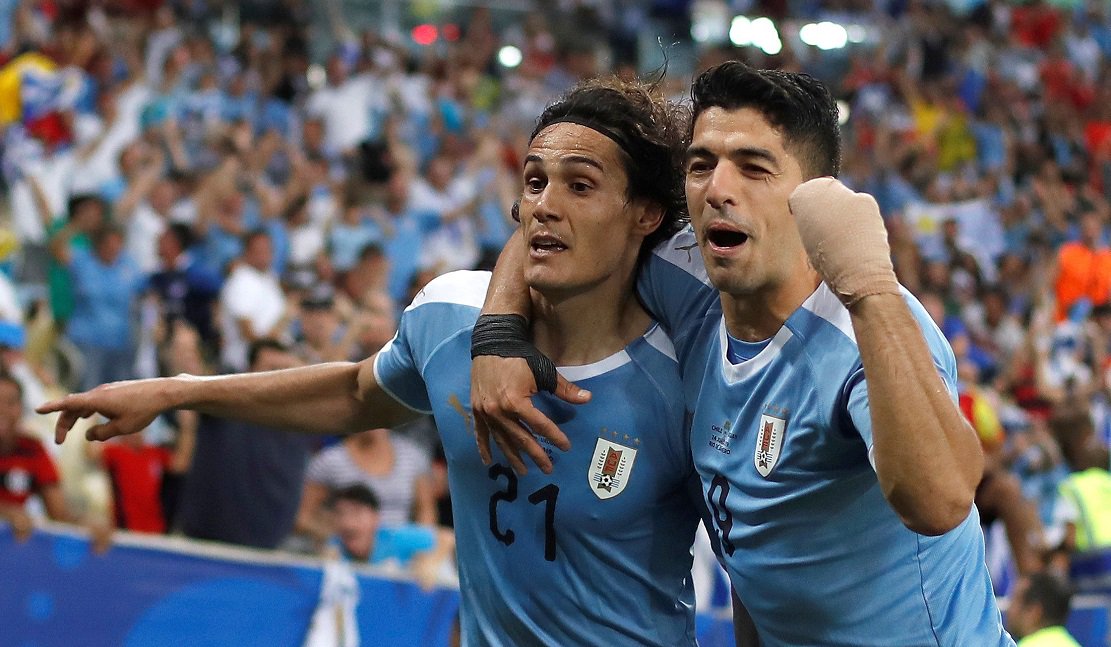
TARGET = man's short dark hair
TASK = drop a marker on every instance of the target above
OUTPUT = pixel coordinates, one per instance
(265, 343)
(370, 251)
(253, 234)
(1053, 593)
(648, 129)
(100, 234)
(81, 199)
(799, 105)
(182, 233)
(319, 297)
(357, 493)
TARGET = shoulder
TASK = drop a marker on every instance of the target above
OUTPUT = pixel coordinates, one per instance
(330, 457)
(464, 288)
(681, 251)
(30, 446)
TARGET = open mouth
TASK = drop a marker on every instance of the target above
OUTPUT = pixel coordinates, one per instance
(725, 238)
(546, 244)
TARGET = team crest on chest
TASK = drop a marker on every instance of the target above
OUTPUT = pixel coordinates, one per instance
(610, 468)
(769, 443)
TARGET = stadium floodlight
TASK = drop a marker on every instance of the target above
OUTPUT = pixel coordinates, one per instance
(824, 35)
(843, 112)
(740, 31)
(759, 32)
(766, 36)
(856, 33)
(510, 56)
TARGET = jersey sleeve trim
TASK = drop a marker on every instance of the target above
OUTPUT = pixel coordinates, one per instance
(823, 303)
(658, 339)
(681, 251)
(382, 383)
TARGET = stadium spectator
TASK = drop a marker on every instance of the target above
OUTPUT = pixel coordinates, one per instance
(1038, 611)
(1084, 505)
(391, 464)
(1083, 270)
(85, 215)
(26, 469)
(452, 196)
(106, 287)
(252, 303)
(245, 479)
(136, 468)
(361, 537)
(324, 336)
(187, 291)
(999, 495)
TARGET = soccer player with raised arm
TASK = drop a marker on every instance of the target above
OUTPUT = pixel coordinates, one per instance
(595, 550)
(836, 465)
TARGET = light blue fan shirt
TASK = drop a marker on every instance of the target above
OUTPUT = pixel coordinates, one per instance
(599, 551)
(782, 443)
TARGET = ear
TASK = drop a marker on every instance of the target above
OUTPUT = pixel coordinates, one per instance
(649, 216)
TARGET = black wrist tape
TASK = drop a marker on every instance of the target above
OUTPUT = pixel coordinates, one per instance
(508, 336)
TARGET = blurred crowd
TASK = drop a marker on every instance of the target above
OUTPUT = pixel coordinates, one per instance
(202, 186)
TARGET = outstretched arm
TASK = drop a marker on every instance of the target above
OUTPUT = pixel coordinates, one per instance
(339, 397)
(502, 387)
(927, 458)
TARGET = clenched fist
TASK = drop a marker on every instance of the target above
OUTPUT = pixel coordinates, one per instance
(844, 235)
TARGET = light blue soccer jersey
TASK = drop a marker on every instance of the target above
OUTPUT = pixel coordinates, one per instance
(781, 442)
(598, 552)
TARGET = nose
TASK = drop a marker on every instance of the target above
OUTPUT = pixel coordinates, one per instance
(545, 207)
(721, 188)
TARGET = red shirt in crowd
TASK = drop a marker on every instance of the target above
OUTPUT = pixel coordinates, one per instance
(136, 475)
(25, 471)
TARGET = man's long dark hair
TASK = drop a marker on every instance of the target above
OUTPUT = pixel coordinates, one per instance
(649, 130)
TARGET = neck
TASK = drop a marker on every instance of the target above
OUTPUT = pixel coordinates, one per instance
(760, 315)
(369, 438)
(588, 326)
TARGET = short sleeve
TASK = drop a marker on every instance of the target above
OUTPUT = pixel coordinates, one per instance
(673, 284)
(322, 467)
(856, 387)
(45, 472)
(445, 308)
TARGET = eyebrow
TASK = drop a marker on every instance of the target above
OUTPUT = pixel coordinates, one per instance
(743, 151)
(567, 161)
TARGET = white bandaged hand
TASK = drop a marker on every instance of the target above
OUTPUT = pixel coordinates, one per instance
(845, 238)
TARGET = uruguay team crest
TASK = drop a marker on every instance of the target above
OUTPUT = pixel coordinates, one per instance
(610, 468)
(769, 443)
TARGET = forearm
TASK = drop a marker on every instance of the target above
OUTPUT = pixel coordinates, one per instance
(508, 293)
(324, 398)
(927, 458)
